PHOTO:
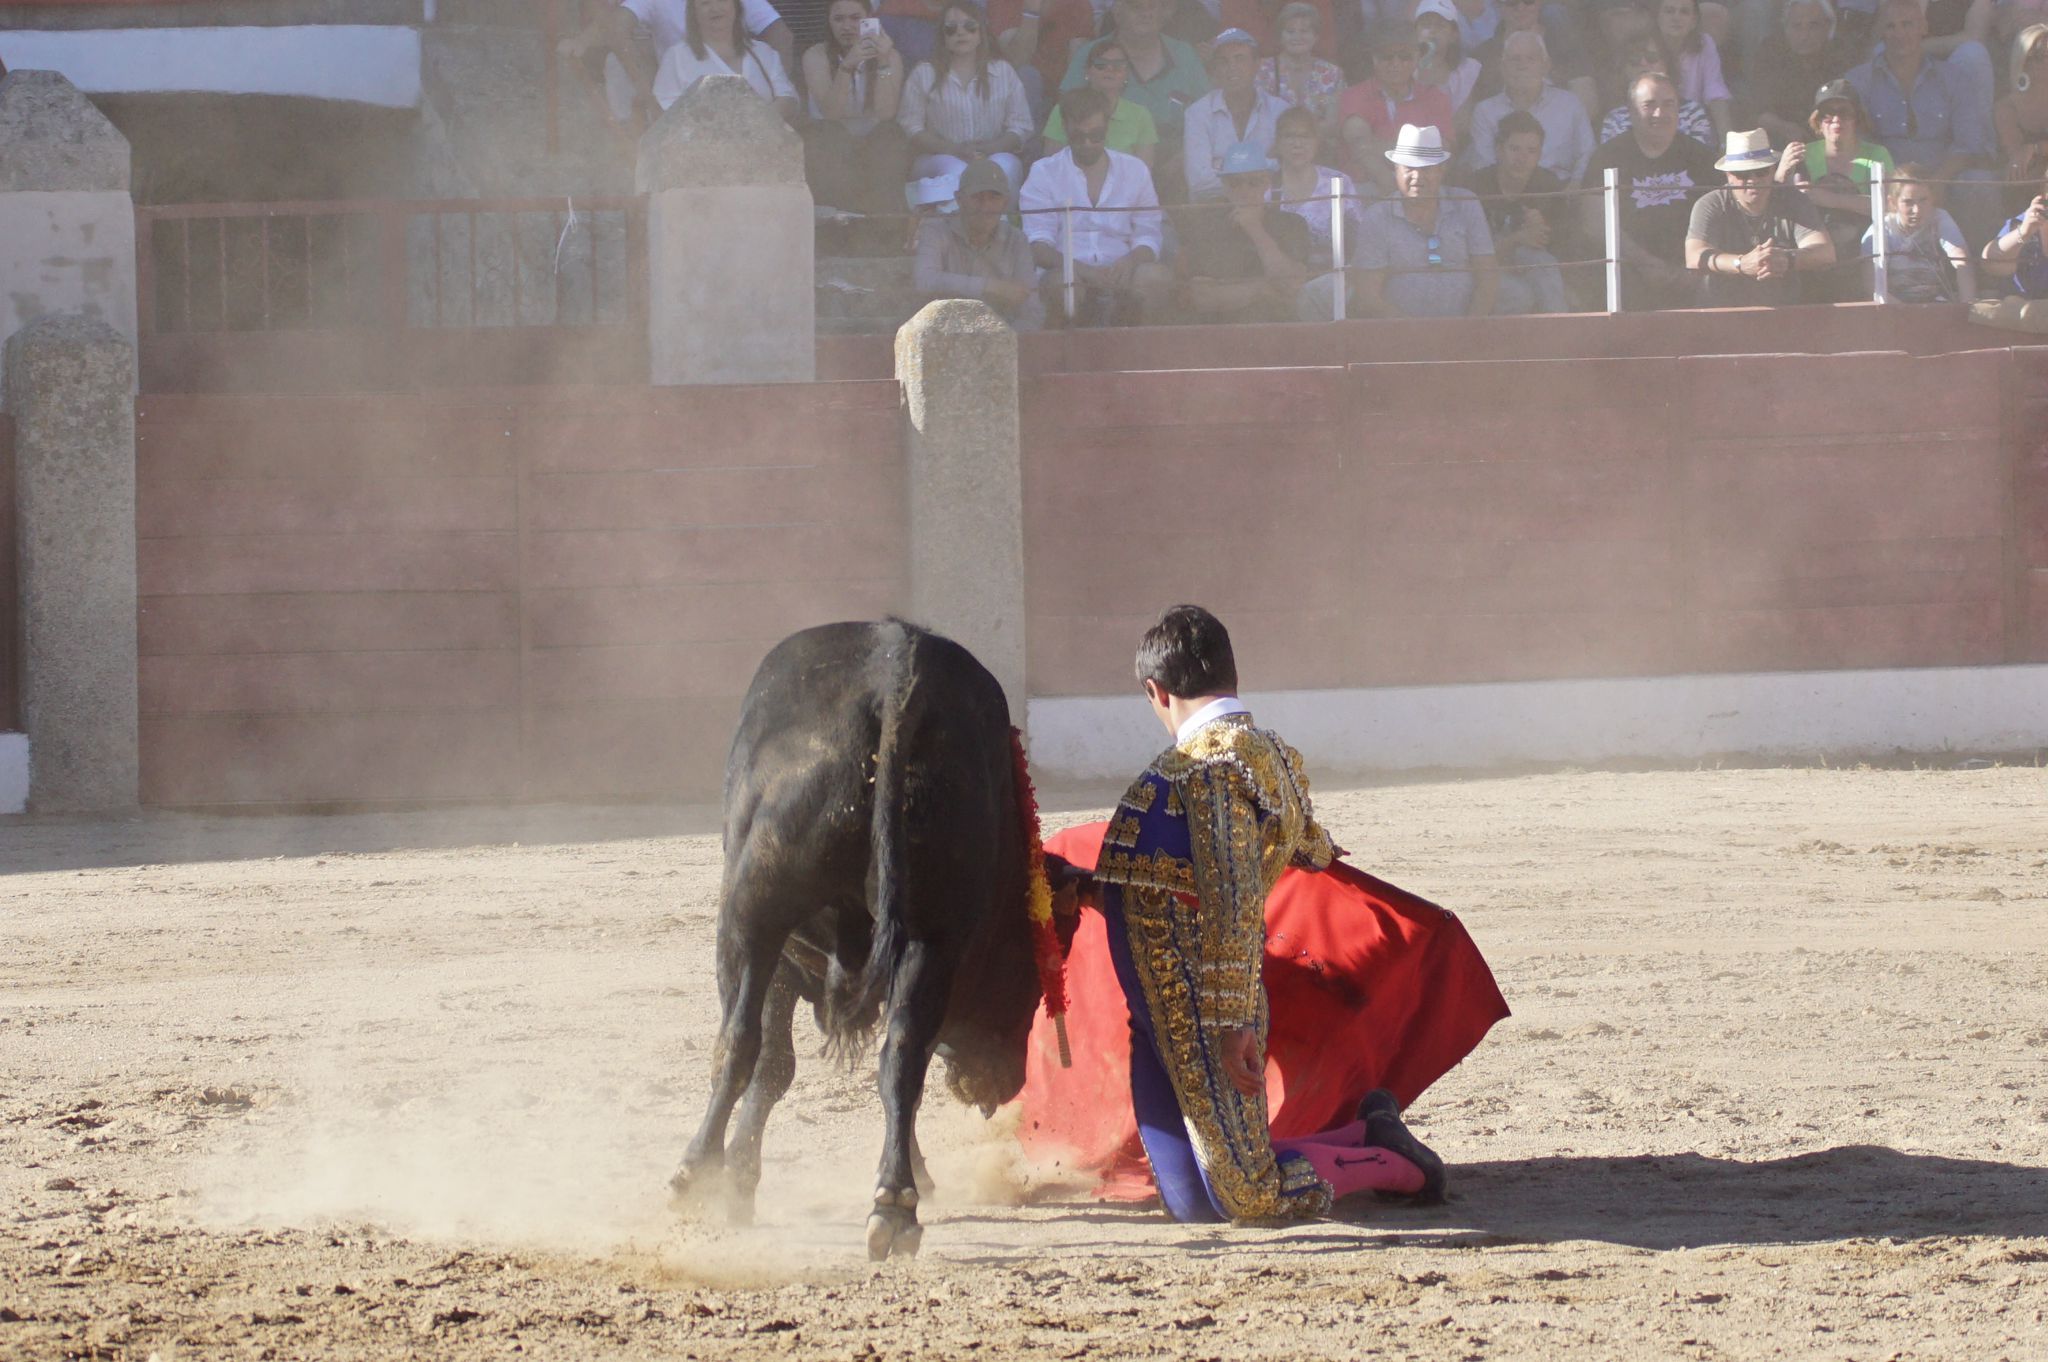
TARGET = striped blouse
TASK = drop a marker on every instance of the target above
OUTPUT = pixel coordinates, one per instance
(951, 109)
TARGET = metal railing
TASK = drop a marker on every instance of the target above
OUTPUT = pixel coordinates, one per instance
(391, 264)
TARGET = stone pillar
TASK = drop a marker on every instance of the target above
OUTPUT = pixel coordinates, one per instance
(70, 390)
(957, 362)
(67, 225)
(730, 276)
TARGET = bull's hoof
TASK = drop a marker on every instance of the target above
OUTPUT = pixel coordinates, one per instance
(892, 1225)
(739, 1196)
(698, 1191)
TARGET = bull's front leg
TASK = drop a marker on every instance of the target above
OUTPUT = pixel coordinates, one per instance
(746, 968)
(917, 1008)
(773, 1073)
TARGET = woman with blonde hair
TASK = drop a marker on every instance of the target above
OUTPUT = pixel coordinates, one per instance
(2021, 115)
(966, 104)
(715, 43)
(1297, 77)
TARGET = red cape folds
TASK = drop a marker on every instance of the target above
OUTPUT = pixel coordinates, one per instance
(1369, 987)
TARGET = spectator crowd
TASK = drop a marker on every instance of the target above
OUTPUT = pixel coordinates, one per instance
(1115, 161)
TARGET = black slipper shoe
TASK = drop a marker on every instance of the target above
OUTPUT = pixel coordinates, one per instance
(1384, 1128)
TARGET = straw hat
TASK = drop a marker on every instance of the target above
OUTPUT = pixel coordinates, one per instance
(1748, 151)
(1423, 146)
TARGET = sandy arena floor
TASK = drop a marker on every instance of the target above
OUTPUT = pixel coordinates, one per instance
(411, 1084)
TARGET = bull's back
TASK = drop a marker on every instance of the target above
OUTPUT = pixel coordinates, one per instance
(817, 716)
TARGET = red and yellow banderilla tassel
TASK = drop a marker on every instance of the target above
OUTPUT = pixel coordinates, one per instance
(1045, 942)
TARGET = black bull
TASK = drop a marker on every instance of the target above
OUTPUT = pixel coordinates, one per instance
(876, 867)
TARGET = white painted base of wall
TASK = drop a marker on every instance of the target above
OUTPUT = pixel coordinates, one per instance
(13, 772)
(358, 63)
(1848, 714)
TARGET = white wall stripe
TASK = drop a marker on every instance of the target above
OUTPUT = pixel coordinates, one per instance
(1837, 714)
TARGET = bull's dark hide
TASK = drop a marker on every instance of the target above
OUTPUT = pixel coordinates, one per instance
(875, 865)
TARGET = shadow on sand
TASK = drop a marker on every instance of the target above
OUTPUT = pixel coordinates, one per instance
(1683, 1200)
(1665, 1201)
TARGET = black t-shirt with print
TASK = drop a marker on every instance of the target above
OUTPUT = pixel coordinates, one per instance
(1657, 193)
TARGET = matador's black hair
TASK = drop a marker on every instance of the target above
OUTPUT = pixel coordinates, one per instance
(1188, 654)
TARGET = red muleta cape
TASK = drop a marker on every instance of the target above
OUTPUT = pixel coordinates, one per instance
(1368, 987)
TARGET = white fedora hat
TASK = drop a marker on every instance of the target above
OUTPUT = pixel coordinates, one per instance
(1423, 146)
(1748, 151)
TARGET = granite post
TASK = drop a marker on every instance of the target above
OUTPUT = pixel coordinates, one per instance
(70, 391)
(730, 270)
(67, 224)
(957, 362)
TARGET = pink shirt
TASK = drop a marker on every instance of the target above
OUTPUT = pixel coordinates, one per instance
(1699, 73)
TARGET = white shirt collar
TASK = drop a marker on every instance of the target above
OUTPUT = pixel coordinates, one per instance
(1208, 714)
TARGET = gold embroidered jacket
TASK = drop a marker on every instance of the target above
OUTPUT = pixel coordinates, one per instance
(1193, 850)
(1236, 813)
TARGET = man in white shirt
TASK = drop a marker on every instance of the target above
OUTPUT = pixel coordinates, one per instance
(1235, 111)
(624, 33)
(1117, 274)
(1525, 85)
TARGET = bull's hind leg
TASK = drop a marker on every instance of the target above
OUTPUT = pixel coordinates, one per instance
(773, 1073)
(746, 969)
(917, 1007)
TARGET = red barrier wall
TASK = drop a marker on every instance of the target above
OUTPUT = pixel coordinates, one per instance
(2026, 419)
(1393, 524)
(10, 623)
(542, 594)
(560, 593)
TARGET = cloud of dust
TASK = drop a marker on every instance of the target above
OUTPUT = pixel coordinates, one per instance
(516, 1151)
(544, 1140)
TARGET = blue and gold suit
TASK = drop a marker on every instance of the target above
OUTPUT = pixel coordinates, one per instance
(1191, 853)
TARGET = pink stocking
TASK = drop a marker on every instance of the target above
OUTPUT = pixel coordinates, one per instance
(1350, 1168)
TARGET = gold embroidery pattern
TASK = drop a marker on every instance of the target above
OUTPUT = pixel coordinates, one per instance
(1228, 1130)
(1123, 831)
(1140, 796)
(1197, 931)
(1158, 871)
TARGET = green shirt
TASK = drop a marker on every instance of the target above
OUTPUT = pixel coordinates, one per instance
(1130, 127)
(1166, 97)
(1868, 154)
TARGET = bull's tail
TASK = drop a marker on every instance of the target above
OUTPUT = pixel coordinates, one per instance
(856, 988)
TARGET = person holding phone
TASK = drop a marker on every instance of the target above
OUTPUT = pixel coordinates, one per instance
(856, 156)
(2020, 250)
